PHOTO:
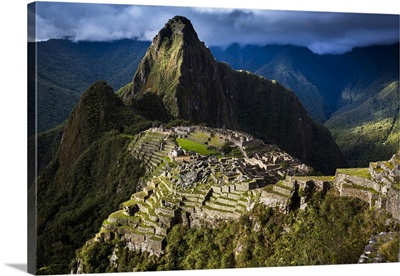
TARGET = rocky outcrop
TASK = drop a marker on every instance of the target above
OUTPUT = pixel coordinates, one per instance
(380, 249)
(183, 73)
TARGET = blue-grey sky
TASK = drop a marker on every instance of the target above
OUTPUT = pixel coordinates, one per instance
(321, 32)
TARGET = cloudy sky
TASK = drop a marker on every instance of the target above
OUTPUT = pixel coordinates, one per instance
(320, 32)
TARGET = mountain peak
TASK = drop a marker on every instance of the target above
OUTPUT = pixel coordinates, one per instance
(179, 23)
(177, 27)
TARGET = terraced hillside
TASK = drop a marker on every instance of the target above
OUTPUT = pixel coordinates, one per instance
(191, 188)
(185, 187)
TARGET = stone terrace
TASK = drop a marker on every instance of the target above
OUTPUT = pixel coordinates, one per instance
(378, 185)
(201, 190)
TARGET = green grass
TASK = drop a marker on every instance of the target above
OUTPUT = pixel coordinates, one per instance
(118, 214)
(156, 238)
(194, 146)
(201, 137)
(129, 203)
(269, 189)
(390, 249)
(280, 184)
(369, 132)
(360, 172)
(358, 187)
(389, 164)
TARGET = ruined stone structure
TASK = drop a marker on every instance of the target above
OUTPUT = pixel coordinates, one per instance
(201, 190)
(378, 185)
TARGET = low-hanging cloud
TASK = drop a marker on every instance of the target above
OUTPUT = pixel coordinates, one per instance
(321, 32)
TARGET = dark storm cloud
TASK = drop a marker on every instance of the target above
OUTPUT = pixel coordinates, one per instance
(321, 32)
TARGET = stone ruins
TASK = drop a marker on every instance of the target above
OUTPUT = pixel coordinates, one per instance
(184, 186)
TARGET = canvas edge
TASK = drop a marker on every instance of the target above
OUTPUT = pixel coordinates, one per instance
(31, 142)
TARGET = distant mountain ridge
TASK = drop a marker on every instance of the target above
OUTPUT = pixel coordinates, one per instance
(322, 82)
(355, 95)
(65, 69)
(328, 86)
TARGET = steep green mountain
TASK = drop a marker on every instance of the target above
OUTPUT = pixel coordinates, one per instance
(298, 70)
(181, 71)
(90, 174)
(366, 121)
(65, 69)
(329, 86)
(371, 129)
(362, 74)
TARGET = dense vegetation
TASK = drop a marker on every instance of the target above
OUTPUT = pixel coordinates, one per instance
(102, 178)
(331, 230)
(90, 174)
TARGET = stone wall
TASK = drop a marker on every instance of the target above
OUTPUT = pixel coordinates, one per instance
(216, 189)
(146, 242)
(215, 214)
(375, 194)
(227, 201)
(220, 207)
(155, 245)
(364, 195)
(282, 190)
(393, 203)
(274, 200)
(232, 196)
(165, 211)
(341, 178)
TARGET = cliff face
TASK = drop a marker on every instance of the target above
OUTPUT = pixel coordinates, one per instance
(192, 85)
